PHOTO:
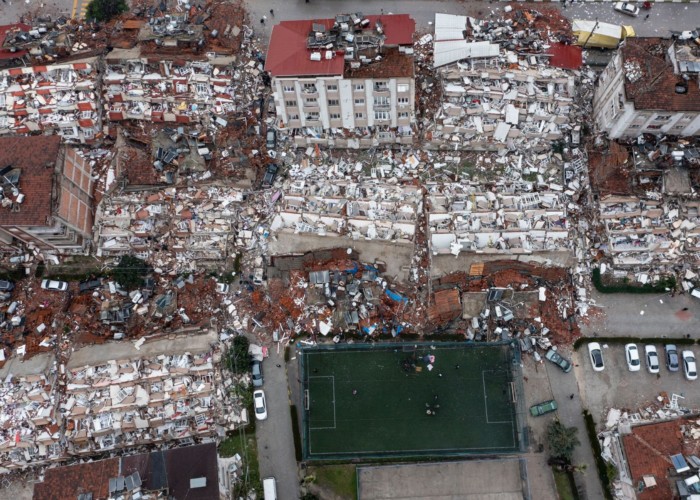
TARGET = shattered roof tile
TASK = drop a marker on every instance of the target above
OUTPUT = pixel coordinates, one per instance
(69, 482)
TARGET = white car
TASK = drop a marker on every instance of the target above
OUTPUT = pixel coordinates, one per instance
(222, 288)
(652, 358)
(260, 405)
(632, 355)
(691, 370)
(627, 8)
(596, 356)
(57, 286)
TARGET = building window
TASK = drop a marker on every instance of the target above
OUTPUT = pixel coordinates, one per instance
(335, 116)
(288, 88)
(359, 87)
(359, 102)
(88, 133)
(379, 86)
(403, 100)
(381, 101)
(333, 102)
(654, 127)
(290, 104)
(312, 116)
(687, 116)
(293, 117)
(381, 115)
(332, 88)
(634, 126)
(359, 116)
(679, 127)
(181, 87)
(203, 88)
(310, 88)
(310, 101)
(402, 87)
(403, 114)
(662, 117)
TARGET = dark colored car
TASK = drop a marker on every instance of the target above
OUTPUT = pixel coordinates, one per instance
(558, 360)
(672, 362)
(6, 286)
(543, 408)
(256, 369)
(270, 175)
(88, 286)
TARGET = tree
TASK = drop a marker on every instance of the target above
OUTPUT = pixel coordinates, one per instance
(238, 357)
(104, 10)
(130, 271)
(562, 440)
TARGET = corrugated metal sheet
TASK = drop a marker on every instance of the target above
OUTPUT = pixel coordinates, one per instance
(456, 50)
(449, 27)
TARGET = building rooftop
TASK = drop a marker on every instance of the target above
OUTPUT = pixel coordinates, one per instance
(650, 80)
(69, 482)
(32, 160)
(289, 52)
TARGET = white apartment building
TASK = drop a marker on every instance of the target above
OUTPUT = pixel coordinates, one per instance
(650, 86)
(351, 73)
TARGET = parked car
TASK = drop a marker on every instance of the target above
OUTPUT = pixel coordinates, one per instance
(543, 408)
(260, 405)
(270, 175)
(632, 355)
(256, 368)
(222, 288)
(54, 285)
(626, 8)
(689, 366)
(596, 356)
(89, 285)
(652, 358)
(271, 138)
(558, 360)
(6, 286)
(671, 357)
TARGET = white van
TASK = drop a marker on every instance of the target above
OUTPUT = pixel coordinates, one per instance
(270, 488)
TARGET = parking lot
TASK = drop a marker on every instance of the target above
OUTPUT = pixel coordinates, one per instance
(617, 387)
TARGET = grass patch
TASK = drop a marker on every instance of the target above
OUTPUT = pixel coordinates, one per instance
(340, 479)
(12, 274)
(244, 443)
(604, 472)
(636, 340)
(564, 481)
(660, 286)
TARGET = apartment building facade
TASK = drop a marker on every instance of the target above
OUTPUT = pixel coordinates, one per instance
(649, 86)
(351, 73)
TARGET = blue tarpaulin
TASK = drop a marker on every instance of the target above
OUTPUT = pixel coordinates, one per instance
(395, 296)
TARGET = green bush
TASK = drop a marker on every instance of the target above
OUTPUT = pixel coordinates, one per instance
(238, 360)
(104, 10)
(296, 432)
(130, 272)
(601, 465)
(660, 286)
(562, 440)
(634, 340)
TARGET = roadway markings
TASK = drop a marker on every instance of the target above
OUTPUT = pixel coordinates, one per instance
(79, 8)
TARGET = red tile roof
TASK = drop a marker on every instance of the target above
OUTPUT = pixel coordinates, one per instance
(287, 54)
(655, 89)
(69, 482)
(649, 448)
(6, 53)
(36, 157)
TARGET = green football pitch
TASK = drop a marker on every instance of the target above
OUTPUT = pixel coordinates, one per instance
(385, 400)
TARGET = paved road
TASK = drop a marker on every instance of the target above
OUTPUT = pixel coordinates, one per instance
(644, 315)
(570, 414)
(275, 439)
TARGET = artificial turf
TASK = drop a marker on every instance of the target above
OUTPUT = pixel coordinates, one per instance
(365, 402)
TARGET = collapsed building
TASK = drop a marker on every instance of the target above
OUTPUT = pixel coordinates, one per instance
(499, 87)
(55, 98)
(344, 82)
(650, 87)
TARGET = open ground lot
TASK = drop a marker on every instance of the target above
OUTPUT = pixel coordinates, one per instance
(504, 479)
(370, 400)
(617, 387)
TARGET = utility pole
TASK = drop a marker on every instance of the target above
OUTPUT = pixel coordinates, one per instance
(591, 33)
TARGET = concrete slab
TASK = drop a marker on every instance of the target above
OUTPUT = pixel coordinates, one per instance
(503, 479)
(180, 344)
(396, 256)
(33, 366)
(472, 304)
